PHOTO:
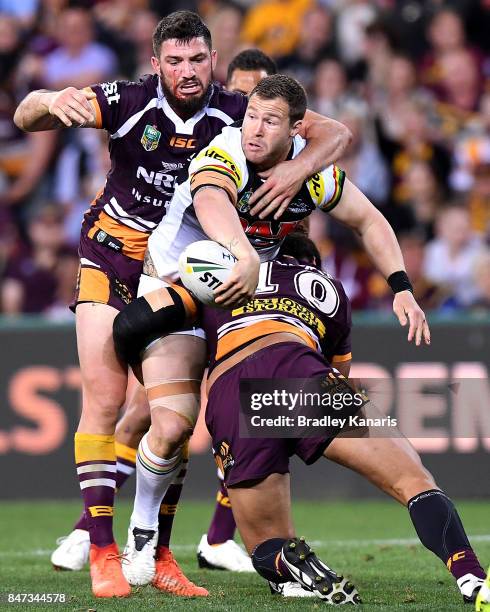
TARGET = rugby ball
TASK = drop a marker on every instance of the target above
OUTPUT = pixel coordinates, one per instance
(203, 267)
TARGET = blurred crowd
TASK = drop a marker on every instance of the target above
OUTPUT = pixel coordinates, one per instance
(411, 79)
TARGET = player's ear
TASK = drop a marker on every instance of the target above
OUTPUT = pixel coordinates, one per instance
(295, 128)
(155, 63)
(214, 59)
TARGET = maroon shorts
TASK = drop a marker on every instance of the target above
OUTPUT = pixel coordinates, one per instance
(106, 275)
(242, 459)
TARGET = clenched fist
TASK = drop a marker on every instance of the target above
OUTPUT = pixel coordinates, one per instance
(72, 107)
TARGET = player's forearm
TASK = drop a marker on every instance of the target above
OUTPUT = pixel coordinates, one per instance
(327, 141)
(32, 114)
(381, 244)
(221, 223)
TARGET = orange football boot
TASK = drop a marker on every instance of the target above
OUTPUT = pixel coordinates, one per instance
(106, 573)
(170, 578)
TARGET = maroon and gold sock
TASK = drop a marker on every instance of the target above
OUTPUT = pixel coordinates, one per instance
(266, 559)
(170, 502)
(440, 529)
(222, 527)
(125, 467)
(95, 457)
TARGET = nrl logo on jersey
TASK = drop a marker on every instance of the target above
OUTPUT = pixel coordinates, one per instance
(150, 138)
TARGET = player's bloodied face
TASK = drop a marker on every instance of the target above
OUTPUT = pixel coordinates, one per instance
(186, 71)
(267, 131)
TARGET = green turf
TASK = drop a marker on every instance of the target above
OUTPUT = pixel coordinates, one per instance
(364, 540)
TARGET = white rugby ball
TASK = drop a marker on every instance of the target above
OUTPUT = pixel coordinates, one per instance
(203, 267)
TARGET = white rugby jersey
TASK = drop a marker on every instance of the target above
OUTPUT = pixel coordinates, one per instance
(223, 162)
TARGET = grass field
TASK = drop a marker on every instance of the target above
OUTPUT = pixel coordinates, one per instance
(371, 542)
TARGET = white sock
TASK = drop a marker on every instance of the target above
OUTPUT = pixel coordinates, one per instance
(154, 475)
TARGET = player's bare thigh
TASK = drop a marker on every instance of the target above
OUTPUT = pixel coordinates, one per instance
(392, 464)
(173, 368)
(136, 419)
(263, 510)
(104, 378)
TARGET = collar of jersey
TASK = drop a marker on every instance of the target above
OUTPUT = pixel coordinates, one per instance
(181, 126)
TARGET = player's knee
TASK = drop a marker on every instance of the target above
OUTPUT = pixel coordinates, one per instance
(169, 430)
(103, 398)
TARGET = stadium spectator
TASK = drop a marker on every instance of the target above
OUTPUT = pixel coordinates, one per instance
(225, 25)
(9, 242)
(378, 46)
(161, 9)
(450, 257)
(316, 40)
(342, 257)
(472, 172)
(143, 24)
(424, 196)
(329, 87)
(65, 272)
(43, 37)
(79, 60)
(481, 274)
(416, 143)
(432, 295)
(24, 158)
(352, 18)
(30, 282)
(445, 33)
(479, 198)
(274, 25)
(79, 174)
(389, 100)
(23, 11)
(363, 162)
(461, 85)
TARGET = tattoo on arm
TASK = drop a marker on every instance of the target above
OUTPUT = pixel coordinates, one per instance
(148, 266)
(233, 243)
(215, 187)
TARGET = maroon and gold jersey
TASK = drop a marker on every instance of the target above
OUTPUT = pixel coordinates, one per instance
(150, 148)
(290, 298)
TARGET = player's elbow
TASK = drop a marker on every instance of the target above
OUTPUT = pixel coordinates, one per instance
(19, 118)
(345, 137)
(199, 205)
(341, 135)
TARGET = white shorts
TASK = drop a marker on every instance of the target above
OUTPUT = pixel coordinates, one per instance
(151, 283)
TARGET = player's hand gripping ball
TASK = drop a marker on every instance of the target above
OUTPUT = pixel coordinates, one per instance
(203, 267)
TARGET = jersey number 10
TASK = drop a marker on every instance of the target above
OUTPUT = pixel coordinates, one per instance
(313, 285)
